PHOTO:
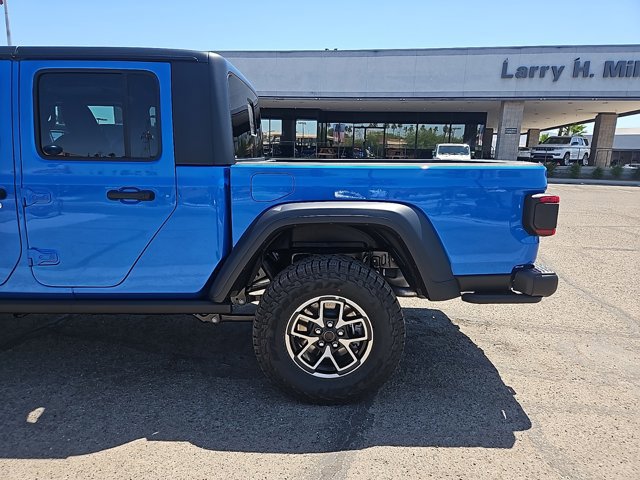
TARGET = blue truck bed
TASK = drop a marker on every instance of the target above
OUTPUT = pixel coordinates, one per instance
(475, 207)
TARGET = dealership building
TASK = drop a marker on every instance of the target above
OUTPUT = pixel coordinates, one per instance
(400, 103)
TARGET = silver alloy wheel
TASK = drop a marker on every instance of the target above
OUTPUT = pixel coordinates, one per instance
(329, 336)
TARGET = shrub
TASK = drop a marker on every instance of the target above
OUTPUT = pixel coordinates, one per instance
(616, 171)
(551, 168)
(574, 170)
(598, 172)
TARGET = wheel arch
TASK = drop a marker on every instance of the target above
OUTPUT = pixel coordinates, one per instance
(407, 230)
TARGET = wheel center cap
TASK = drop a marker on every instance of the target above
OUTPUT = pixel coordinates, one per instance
(328, 336)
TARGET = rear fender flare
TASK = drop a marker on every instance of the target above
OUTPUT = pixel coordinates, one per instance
(410, 228)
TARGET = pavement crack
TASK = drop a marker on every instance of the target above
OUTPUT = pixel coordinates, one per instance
(359, 422)
(33, 333)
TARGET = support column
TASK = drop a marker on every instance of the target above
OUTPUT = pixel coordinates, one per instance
(602, 141)
(509, 125)
(469, 135)
(487, 141)
(288, 138)
(533, 137)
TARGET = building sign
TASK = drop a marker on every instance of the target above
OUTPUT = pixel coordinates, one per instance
(510, 131)
(580, 68)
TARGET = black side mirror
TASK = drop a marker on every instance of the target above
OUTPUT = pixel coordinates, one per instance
(52, 150)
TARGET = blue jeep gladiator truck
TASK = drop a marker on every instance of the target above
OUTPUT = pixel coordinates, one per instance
(131, 181)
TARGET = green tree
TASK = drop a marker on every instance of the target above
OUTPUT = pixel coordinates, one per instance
(578, 129)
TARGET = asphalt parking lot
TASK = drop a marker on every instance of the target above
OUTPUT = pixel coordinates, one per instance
(526, 391)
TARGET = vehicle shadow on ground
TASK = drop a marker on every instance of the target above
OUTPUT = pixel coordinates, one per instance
(105, 381)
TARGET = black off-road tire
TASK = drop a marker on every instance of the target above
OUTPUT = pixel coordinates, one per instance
(566, 160)
(585, 160)
(328, 275)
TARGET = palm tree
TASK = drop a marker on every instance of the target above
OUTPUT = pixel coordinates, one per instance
(578, 129)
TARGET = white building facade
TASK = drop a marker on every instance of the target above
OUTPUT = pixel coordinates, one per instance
(405, 101)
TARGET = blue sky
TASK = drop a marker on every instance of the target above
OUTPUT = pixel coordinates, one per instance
(294, 25)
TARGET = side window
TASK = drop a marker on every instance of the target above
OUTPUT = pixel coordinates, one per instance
(586, 142)
(245, 119)
(98, 116)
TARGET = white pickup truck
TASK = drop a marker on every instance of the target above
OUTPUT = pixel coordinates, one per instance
(452, 151)
(562, 149)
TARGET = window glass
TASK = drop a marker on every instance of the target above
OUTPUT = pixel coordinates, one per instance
(557, 141)
(400, 140)
(340, 134)
(271, 133)
(306, 137)
(430, 134)
(374, 141)
(453, 150)
(245, 119)
(82, 115)
(456, 133)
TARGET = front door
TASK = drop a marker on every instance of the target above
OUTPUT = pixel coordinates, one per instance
(98, 178)
(9, 233)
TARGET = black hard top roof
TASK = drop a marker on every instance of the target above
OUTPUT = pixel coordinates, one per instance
(104, 53)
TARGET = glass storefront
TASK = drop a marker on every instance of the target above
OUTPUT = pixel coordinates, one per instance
(334, 135)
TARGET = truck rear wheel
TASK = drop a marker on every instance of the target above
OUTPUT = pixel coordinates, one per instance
(585, 159)
(328, 330)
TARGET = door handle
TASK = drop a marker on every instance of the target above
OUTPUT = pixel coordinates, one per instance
(3, 194)
(128, 194)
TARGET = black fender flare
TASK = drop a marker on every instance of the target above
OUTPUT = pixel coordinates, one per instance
(409, 226)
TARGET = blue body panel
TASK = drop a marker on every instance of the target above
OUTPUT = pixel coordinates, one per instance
(96, 241)
(9, 233)
(190, 245)
(476, 209)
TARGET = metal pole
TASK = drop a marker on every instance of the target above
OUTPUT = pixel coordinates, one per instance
(6, 23)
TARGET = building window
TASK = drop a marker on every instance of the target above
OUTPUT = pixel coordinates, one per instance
(271, 135)
(306, 138)
(400, 140)
(98, 116)
(340, 135)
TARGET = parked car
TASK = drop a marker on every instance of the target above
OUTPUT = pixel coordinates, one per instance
(563, 150)
(452, 151)
(524, 153)
(632, 166)
(166, 206)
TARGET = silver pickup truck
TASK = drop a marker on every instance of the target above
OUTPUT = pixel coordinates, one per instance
(562, 149)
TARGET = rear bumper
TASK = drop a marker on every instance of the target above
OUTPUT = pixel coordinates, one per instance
(525, 285)
(537, 281)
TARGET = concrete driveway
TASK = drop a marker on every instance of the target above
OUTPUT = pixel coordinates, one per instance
(525, 391)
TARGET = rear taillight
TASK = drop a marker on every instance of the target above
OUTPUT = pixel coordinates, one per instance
(542, 198)
(540, 215)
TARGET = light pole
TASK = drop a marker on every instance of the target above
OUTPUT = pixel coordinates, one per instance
(304, 124)
(6, 21)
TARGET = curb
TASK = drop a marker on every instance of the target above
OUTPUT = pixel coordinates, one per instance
(592, 181)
